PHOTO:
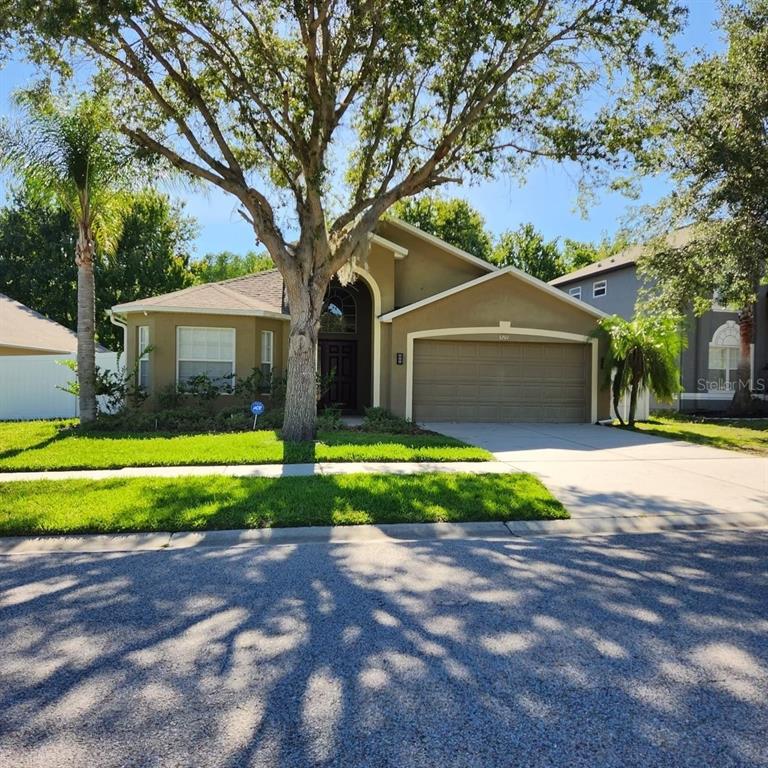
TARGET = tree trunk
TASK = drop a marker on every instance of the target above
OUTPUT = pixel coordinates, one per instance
(741, 404)
(633, 402)
(636, 364)
(305, 302)
(86, 325)
(616, 391)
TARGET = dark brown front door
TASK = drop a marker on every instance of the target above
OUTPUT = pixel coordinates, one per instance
(338, 360)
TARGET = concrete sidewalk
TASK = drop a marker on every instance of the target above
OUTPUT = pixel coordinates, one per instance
(268, 470)
(378, 534)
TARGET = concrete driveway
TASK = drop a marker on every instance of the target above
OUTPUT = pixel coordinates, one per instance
(547, 652)
(600, 471)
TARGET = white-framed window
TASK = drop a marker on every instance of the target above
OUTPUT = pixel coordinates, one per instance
(205, 351)
(142, 355)
(724, 354)
(575, 292)
(267, 358)
(599, 288)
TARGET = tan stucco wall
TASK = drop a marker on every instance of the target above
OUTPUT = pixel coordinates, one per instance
(381, 266)
(427, 269)
(503, 299)
(387, 363)
(162, 339)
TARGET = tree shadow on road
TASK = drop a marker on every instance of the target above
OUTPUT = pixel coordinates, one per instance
(638, 650)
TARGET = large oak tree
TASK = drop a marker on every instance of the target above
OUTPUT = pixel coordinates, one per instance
(318, 115)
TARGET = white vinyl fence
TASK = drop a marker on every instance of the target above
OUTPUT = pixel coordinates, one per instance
(642, 410)
(29, 385)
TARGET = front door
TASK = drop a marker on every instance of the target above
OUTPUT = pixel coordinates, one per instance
(338, 365)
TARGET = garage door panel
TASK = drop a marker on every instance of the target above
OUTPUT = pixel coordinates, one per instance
(500, 381)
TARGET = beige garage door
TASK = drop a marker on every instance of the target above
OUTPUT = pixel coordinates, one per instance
(499, 381)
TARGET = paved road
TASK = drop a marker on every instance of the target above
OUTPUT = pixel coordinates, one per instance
(645, 650)
(603, 472)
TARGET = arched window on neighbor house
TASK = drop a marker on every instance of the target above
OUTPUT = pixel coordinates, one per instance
(724, 350)
(339, 312)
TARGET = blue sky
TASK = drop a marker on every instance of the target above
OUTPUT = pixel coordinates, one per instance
(548, 198)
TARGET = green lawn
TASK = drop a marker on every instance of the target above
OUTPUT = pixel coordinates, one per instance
(215, 502)
(749, 436)
(41, 445)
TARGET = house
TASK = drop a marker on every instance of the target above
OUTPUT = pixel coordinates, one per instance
(709, 362)
(426, 330)
(32, 348)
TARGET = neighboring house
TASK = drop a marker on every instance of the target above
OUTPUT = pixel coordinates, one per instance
(31, 348)
(427, 330)
(709, 362)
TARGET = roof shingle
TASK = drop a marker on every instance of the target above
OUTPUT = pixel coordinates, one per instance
(261, 291)
(22, 327)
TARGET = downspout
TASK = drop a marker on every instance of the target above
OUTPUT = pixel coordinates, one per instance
(117, 321)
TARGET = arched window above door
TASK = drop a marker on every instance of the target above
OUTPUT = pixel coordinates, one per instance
(339, 312)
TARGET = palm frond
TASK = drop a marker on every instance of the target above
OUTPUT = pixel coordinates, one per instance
(67, 150)
(646, 350)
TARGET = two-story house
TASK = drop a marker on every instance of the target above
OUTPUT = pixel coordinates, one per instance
(710, 360)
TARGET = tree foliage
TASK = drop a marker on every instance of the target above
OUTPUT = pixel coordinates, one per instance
(319, 115)
(454, 220)
(704, 125)
(225, 265)
(575, 254)
(67, 149)
(641, 353)
(451, 219)
(709, 135)
(526, 249)
(37, 264)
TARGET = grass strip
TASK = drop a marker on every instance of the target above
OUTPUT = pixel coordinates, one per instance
(44, 445)
(217, 502)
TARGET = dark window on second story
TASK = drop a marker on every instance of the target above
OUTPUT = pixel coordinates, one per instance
(599, 288)
(575, 292)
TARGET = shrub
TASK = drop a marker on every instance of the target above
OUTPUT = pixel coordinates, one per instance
(382, 420)
(330, 420)
(233, 419)
(169, 397)
(116, 389)
(189, 419)
(271, 419)
(253, 386)
(167, 420)
(204, 388)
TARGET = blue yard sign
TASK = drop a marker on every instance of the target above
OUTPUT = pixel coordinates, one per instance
(257, 408)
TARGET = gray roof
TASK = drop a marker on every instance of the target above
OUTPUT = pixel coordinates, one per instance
(626, 258)
(23, 328)
(261, 292)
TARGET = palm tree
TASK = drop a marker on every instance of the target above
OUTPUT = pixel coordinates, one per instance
(642, 353)
(68, 150)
